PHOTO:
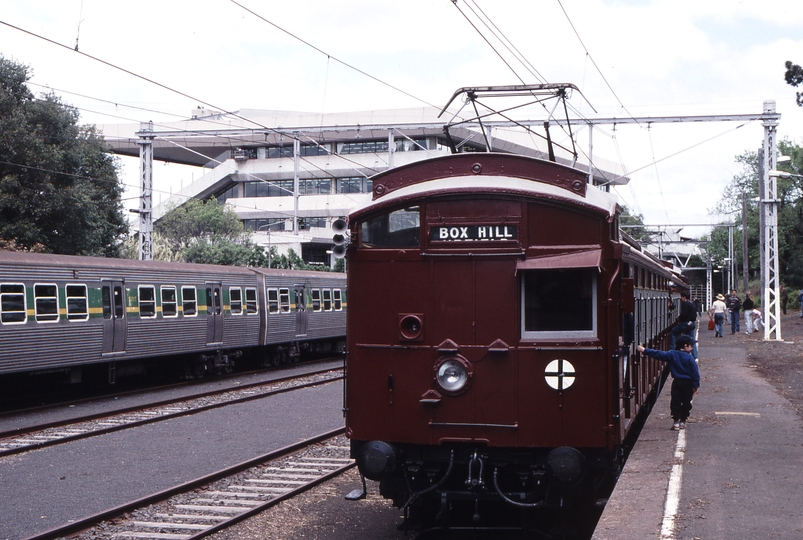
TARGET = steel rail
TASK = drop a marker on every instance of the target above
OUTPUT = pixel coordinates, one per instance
(92, 520)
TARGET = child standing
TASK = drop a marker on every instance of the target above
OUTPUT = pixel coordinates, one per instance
(685, 378)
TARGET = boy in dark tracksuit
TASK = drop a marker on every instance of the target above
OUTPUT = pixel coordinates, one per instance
(685, 378)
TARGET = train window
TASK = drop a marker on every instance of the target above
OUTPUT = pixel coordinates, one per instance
(46, 303)
(77, 304)
(559, 303)
(107, 302)
(189, 302)
(316, 299)
(273, 300)
(400, 228)
(284, 301)
(337, 299)
(147, 301)
(327, 299)
(169, 302)
(236, 300)
(250, 300)
(12, 303)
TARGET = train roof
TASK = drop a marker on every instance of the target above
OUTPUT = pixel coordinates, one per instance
(498, 174)
(79, 262)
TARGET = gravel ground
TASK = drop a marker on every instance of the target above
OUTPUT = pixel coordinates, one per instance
(780, 362)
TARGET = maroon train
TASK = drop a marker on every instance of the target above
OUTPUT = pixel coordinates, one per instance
(491, 360)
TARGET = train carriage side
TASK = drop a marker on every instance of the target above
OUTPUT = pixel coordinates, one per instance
(485, 329)
(304, 310)
(62, 312)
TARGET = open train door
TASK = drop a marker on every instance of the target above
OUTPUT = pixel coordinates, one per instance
(114, 320)
(214, 313)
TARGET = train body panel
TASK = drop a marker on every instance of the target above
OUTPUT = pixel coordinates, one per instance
(62, 312)
(493, 315)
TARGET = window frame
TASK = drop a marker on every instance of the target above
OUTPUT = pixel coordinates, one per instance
(141, 302)
(251, 303)
(535, 335)
(70, 313)
(41, 316)
(238, 302)
(193, 301)
(326, 298)
(315, 294)
(273, 303)
(14, 293)
(337, 299)
(284, 300)
(168, 302)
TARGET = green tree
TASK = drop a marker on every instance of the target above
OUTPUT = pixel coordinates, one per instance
(58, 183)
(794, 77)
(790, 217)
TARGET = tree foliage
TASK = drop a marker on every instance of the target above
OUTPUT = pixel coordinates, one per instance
(210, 232)
(58, 183)
(790, 217)
(794, 77)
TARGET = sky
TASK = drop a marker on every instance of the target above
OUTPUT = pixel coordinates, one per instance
(628, 58)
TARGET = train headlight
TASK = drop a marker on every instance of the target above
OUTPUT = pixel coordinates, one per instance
(453, 374)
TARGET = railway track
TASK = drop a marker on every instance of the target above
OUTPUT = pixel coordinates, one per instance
(38, 436)
(214, 502)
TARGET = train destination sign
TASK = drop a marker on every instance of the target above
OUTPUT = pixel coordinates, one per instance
(468, 233)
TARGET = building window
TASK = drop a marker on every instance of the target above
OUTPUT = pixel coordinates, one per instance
(12, 303)
(46, 303)
(189, 301)
(77, 303)
(147, 301)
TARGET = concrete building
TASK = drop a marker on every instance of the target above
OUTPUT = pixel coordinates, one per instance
(289, 175)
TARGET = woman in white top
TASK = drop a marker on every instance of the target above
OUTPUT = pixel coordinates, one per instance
(718, 310)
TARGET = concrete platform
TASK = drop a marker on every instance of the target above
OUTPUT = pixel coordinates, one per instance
(735, 472)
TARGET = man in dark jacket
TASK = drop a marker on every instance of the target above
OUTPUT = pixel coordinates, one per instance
(734, 305)
(685, 378)
(686, 322)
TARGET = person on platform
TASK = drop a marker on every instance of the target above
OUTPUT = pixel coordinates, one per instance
(685, 378)
(758, 322)
(748, 306)
(734, 305)
(717, 311)
(686, 324)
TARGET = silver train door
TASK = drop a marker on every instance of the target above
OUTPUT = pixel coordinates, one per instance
(214, 313)
(301, 310)
(114, 319)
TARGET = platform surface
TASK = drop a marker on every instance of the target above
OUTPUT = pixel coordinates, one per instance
(735, 472)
